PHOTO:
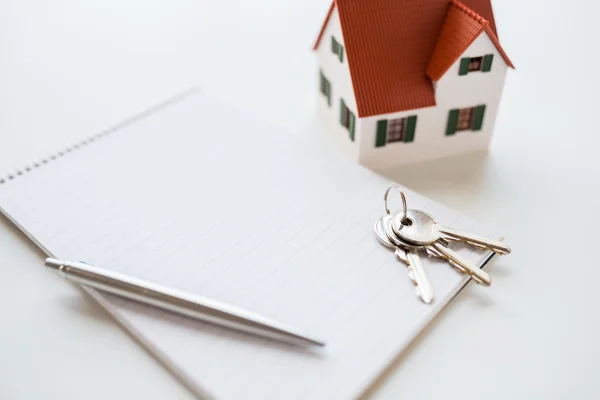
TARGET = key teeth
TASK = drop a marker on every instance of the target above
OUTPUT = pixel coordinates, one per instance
(480, 246)
(466, 272)
(437, 255)
(412, 277)
(456, 266)
(452, 239)
(432, 253)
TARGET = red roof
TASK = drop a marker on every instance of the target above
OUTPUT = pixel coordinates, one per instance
(389, 44)
(461, 27)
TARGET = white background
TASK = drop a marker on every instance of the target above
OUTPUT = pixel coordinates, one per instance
(72, 68)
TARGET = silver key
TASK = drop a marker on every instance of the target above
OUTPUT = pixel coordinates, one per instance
(425, 230)
(410, 257)
(440, 249)
(459, 262)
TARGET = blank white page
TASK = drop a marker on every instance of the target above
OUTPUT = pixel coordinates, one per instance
(199, 197)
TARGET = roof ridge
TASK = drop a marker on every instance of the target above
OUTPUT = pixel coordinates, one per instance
(461, 6)
(426, 44)
(322, 31)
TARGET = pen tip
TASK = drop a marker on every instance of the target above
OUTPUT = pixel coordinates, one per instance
(303, 339)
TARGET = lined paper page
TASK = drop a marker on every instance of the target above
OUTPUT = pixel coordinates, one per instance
(203, 199)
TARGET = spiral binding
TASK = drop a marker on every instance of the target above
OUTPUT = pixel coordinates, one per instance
(83, 143)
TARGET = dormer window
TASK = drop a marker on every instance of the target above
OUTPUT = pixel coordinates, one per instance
(337, 48)
(475, 64)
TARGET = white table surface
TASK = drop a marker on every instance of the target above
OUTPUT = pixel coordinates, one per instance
(69, 68)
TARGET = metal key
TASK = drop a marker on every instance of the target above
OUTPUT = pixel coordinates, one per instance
(440, 249)
(424, 230)
(410, 257)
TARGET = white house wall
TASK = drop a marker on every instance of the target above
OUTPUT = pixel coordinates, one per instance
(452, 91)
(338, 74)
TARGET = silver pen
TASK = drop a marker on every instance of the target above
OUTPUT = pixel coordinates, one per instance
(179, 302)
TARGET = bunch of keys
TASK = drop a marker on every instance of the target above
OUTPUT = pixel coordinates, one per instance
(409, 231)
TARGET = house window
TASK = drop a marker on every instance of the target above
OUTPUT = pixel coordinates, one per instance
(474, 64)
(395, 130)
(325, 88)
(347, 119)
(465, 119)
(337, 49)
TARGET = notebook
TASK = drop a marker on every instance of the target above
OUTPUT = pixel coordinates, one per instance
(198, 196)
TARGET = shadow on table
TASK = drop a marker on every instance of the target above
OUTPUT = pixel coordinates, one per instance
(465, 174)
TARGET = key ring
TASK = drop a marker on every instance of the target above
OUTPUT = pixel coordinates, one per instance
(404, 206)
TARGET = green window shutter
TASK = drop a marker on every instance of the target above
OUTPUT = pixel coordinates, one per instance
(342, 111)
(381, 136)
(352, 125)
(333, 45)
(341, 53)
(452, 122)
(478, 117)
(487, 63)
(325, 87)
(464, 66)
(409, 133)
(321, 82)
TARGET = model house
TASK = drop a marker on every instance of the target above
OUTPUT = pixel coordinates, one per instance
(410, 80)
